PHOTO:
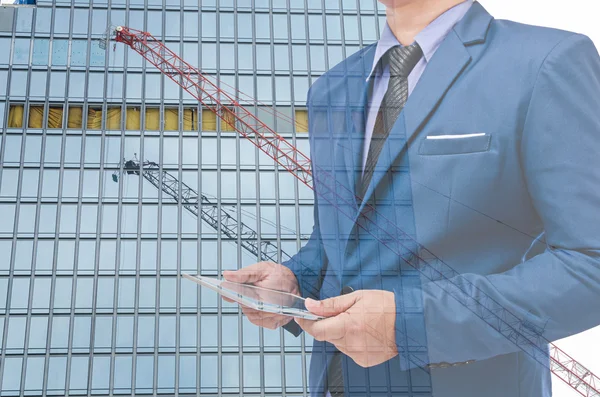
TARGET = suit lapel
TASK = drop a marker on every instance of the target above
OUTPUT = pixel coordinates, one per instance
(357, 95)
(444, 68)
(446, 65)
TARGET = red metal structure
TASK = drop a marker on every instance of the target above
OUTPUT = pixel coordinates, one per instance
(518, 331)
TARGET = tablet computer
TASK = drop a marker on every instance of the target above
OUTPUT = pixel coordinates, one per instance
(263, 299)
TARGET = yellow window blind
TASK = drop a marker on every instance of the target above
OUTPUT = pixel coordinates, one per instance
(132, 121)
(301, 120)
(209, 120)
(152, 119)
(75, 117)
(113, 118)
(190, 120)
(15, 116)
(171, 119)
(36, 116)
(55, 117)
(227, 125)
(94, 121)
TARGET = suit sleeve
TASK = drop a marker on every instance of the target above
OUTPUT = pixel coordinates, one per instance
(556, 293)
(310, 262)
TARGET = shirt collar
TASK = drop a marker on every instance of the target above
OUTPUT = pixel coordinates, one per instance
(429, 38)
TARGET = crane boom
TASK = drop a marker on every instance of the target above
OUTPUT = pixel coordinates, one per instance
(518, 331)
(200, 205)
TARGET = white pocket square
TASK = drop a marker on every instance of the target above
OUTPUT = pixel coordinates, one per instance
(462, 136)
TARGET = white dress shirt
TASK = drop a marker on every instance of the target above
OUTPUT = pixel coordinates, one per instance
(429, 39)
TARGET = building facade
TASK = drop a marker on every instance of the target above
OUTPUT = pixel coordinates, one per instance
(91, 301)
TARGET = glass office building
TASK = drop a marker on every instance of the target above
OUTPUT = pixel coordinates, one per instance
(90, 297)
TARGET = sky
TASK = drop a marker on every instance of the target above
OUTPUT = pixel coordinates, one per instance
(579, 16)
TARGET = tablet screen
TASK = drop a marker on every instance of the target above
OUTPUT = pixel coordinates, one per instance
(258, 298)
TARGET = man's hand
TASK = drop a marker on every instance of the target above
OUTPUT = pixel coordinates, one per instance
(266, 275)
(360, 325)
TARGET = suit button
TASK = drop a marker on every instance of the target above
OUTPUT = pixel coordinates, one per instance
(347, 290)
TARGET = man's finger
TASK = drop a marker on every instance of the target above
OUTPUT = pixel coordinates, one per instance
(263, 319)
(332, 306)
(248, 275)
(258, 314)
(330, 329)
(248, 311)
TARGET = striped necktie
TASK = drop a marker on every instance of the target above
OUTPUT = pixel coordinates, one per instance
(402, 60)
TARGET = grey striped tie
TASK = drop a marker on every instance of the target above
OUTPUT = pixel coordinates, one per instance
(402, 61)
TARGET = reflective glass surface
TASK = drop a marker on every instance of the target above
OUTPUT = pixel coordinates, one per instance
(91, 249)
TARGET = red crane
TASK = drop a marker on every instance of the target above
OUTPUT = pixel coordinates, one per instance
(225, 106)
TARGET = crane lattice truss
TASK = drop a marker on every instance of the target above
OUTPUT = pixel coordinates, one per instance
(200, 205)
(518, 331)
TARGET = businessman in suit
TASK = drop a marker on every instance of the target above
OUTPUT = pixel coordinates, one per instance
(480, 139)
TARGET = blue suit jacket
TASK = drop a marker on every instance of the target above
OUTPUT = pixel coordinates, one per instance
(523, 104)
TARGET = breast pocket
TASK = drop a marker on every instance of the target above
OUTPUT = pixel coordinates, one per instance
(440, 145)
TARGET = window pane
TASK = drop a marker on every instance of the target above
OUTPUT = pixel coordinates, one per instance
(281, 22)
(59, 52)
(315, 27)
(83, 295)
(145, 338)
(144, 374)
(41, 294)
(244, 26)
(105, 296)
(11, 375)
(21, 51)
(272, 373)
(263, 26)
(62, 17)
(20, 294)
(38, 334)
(34, 375)
(62, 293)
(188, 332)
(43, 18)
(18, 84)
(166, 374)
(230, 373)
(124, 341)
(57, 373)
(298, 27)
(8, 219)
(252, 378)
(79, 375)
(187, 374)
(122, 374)
(33, 148)
(167, 333)
(81, 334)
(226, 26)
(78, 52)
(15, 340)
(77, 85)
(80, 21)
(10, 180)
(209, 28)
(126, 293)
(229, 328)
(208, 368)
(40, 51)
(100, 375)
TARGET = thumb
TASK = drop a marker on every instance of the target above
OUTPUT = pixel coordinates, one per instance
(333, 306)
(248, 275)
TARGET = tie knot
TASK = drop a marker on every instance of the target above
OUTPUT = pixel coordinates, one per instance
(403, 60)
